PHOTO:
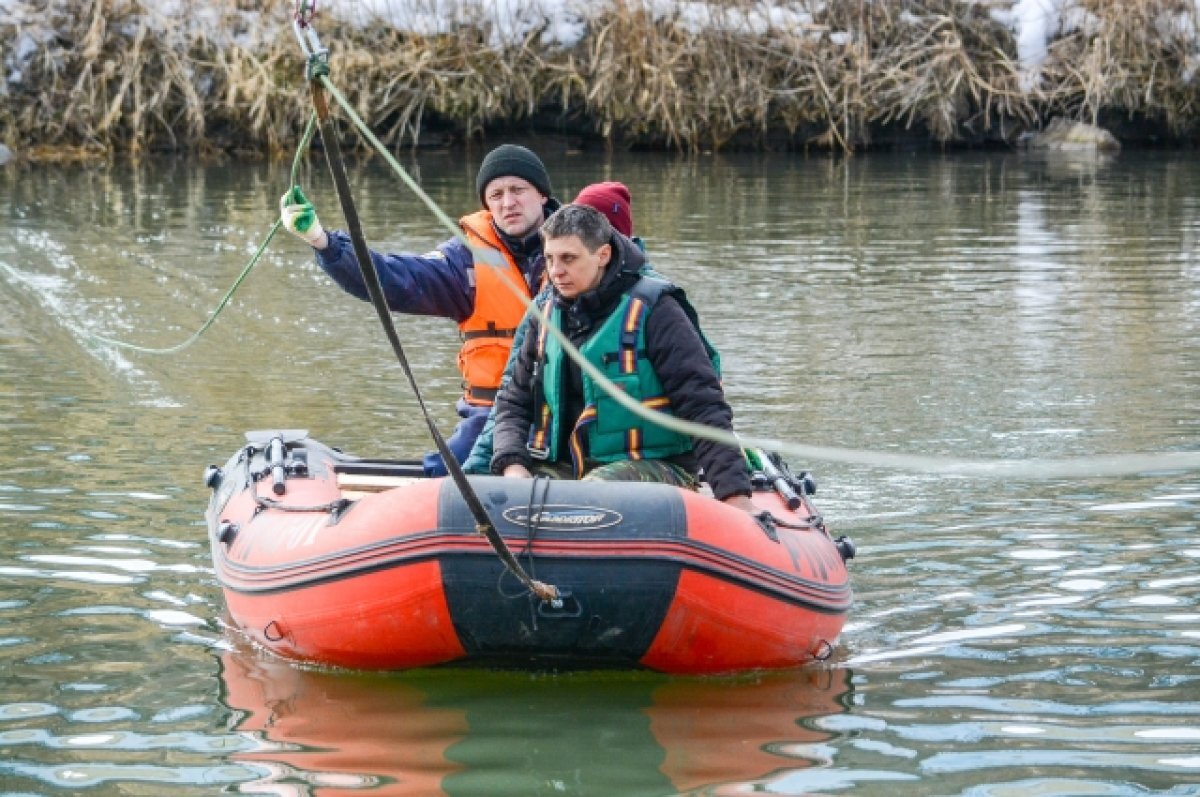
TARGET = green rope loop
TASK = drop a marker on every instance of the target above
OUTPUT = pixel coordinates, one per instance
(300, 150)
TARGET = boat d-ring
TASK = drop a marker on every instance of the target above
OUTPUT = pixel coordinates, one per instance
(276, 635)
(565, 606)
(823, 650)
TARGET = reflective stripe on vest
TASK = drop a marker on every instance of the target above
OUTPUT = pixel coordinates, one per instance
(488, 332)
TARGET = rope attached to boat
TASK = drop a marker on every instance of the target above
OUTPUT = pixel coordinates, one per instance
(317, 72)
(533, 514)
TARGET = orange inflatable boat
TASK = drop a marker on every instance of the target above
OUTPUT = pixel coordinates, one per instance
(367, 564)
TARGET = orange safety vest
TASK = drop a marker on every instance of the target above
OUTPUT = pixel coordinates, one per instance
(488, 332)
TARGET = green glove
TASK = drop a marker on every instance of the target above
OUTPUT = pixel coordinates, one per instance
(299, 217)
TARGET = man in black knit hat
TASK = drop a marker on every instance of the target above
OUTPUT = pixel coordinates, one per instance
(514, 189)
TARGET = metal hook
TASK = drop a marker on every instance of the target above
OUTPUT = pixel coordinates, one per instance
(302, 19)
(316, 57)
(304, 12)
(309, 42)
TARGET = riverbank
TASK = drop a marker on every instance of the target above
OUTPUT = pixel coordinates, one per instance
(97, 79)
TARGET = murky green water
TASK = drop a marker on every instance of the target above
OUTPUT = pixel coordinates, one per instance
(1010, 637)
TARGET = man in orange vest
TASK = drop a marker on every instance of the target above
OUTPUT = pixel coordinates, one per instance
(515, 191)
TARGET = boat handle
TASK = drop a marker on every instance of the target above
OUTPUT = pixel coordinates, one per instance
(565, 607)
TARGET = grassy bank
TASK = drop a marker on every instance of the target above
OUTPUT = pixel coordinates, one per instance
(97, 78)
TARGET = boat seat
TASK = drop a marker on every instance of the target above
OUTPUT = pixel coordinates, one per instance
(356, 485)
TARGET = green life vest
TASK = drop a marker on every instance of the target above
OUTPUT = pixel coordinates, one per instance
(618, 349)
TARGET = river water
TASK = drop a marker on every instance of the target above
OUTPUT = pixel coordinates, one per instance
(1036, 634)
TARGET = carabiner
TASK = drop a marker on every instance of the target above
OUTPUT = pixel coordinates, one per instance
(304, 12)
(316, 57)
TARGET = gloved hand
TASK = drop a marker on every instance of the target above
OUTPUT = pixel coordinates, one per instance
(299, 218)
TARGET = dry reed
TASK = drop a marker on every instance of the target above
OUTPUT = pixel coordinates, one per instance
(95, 78)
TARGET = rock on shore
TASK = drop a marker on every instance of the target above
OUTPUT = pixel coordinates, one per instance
(1064, 135)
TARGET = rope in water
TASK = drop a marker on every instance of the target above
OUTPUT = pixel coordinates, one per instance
(258, 253)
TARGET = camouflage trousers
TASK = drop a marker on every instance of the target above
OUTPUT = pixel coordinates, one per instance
(626, 470)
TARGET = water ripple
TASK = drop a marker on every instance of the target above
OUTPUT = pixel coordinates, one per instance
(946, 763)
(69, 575)
(87, 775)
(1050, 707)
(129, 740)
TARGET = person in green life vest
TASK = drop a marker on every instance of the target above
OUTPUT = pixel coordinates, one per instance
(614, 201)
(640, 331)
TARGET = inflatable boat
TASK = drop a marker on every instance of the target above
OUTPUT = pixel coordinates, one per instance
(367, 564)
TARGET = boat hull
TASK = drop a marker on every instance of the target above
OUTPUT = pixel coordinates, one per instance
(651, 576)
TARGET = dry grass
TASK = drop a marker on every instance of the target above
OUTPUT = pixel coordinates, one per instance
(103, 77)
(1135, 58)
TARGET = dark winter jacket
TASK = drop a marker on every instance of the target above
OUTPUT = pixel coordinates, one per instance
(676, 353)
(438, 283)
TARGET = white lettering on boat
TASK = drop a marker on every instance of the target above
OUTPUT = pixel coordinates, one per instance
(560, 516)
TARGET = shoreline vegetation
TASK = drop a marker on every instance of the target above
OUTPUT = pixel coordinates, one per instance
(97, 79)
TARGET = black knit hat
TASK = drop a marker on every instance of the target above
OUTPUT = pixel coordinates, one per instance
(510, 160)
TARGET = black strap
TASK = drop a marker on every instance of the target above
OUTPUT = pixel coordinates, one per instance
(613, 356)
(482, 393)
(490, 332)
(483, 523)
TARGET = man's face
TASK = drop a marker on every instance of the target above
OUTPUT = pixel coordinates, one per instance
(572, 269)
(515, 205)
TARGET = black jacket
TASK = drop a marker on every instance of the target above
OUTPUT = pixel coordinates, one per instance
(676, 353)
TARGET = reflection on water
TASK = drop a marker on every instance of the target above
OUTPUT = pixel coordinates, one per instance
(1015, 636)
(337, 731)
(495, 733)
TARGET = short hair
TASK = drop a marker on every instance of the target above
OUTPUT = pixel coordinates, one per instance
(590, 225)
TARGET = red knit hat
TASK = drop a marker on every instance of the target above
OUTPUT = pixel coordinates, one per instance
(611, 199)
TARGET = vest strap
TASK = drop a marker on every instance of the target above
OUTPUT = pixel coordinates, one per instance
(490, 332)
(578, 440)
(482, 393)
(538, 446)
